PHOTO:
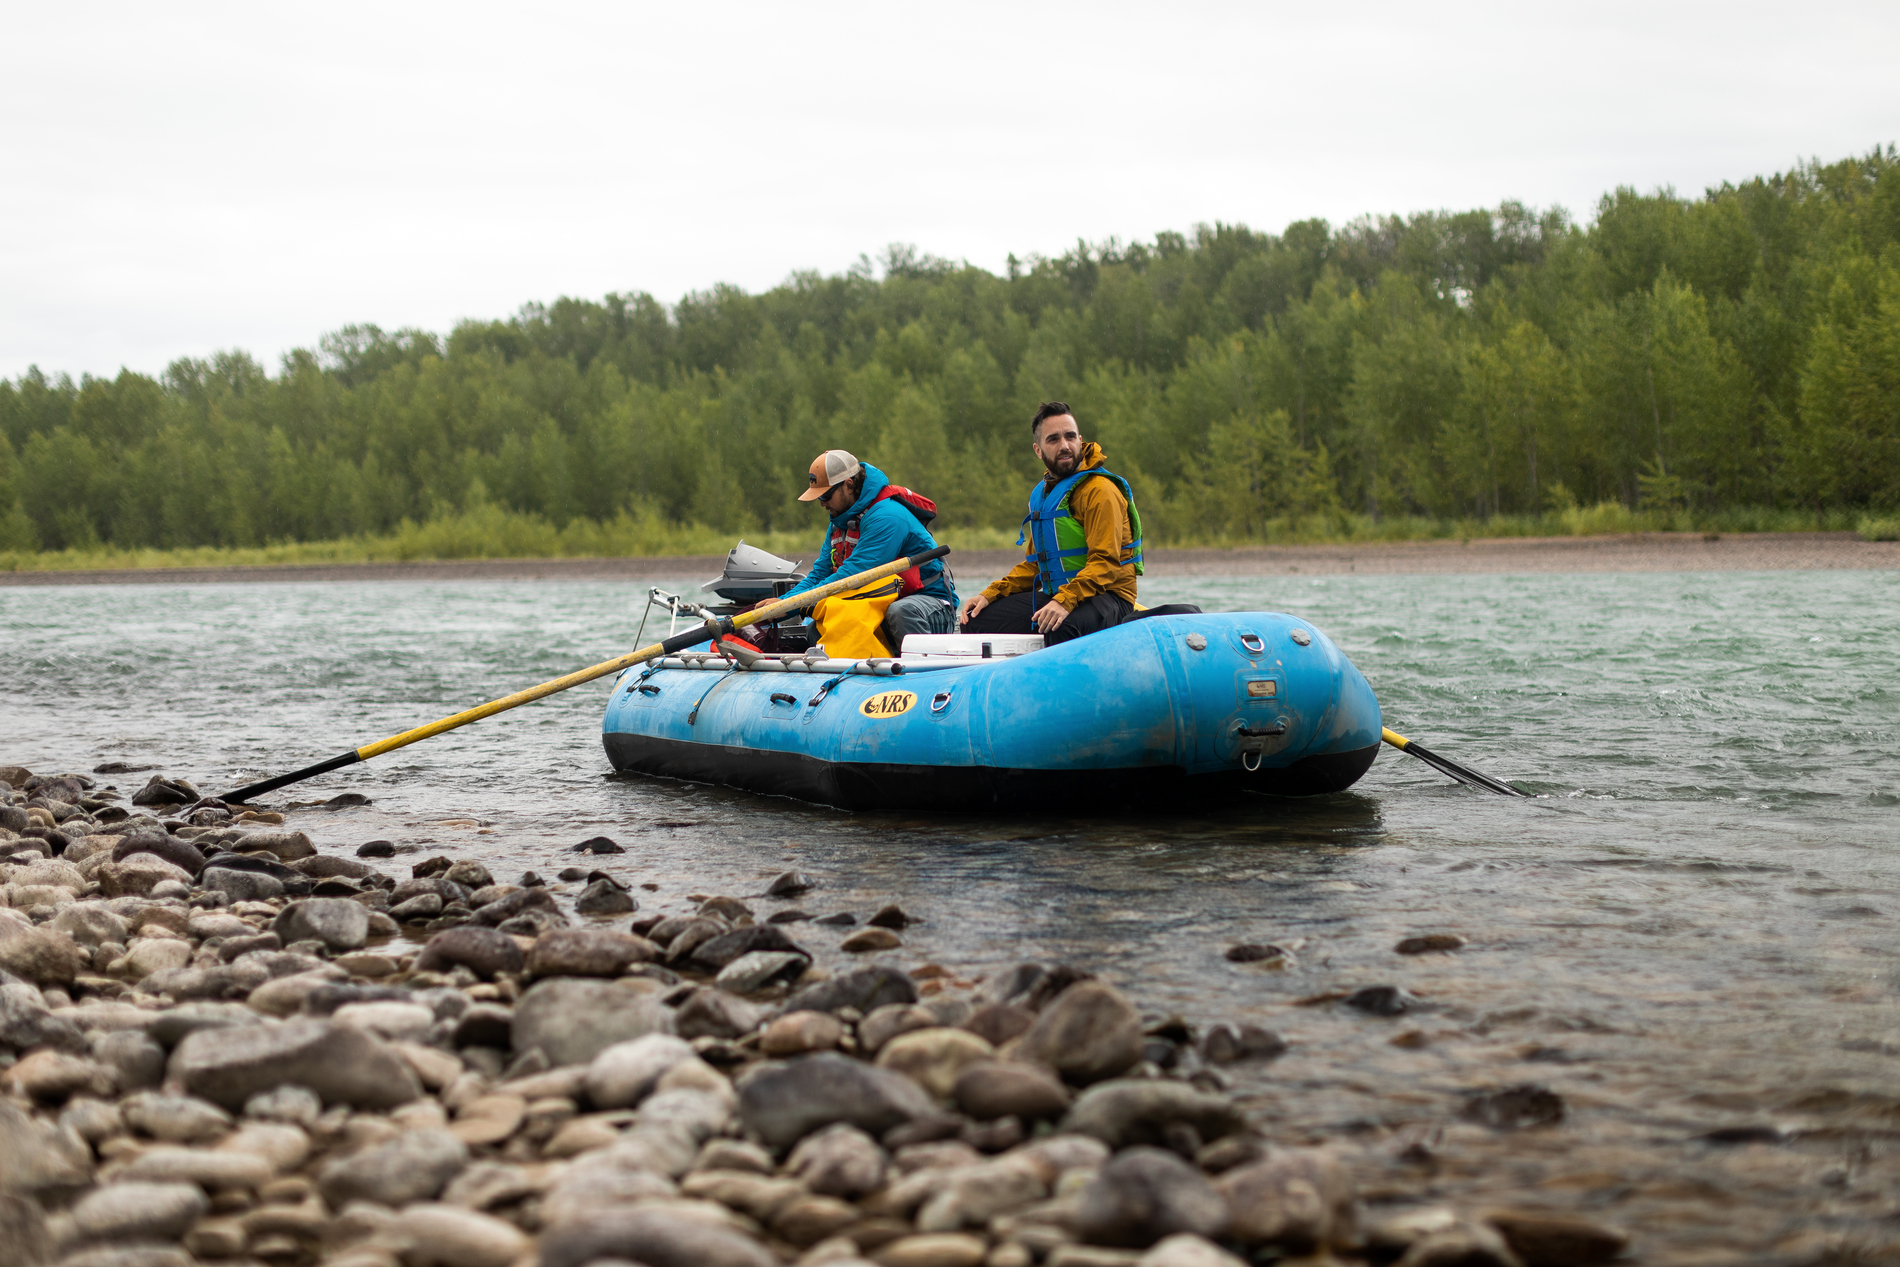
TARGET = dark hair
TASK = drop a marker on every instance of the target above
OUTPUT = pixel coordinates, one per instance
(1049, 409)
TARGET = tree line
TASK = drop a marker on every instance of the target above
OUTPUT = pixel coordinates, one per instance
(1737, 351)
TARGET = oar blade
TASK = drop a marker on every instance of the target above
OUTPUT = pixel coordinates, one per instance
(1446, 766)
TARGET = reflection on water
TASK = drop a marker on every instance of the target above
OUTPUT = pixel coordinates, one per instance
(1691, 928)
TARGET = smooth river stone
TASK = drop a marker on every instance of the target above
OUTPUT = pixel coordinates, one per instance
(785, 1103)
(573, 1019)
(340, 1064)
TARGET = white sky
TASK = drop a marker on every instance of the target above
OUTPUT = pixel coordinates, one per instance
(180, 178)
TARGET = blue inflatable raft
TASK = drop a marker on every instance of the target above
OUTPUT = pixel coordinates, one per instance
(1153, 710)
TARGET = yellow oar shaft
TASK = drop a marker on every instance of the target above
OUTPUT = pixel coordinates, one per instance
(1394, 738)
(773, 611)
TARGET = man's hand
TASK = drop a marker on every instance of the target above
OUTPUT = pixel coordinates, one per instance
(1049, 616)
(970, 608)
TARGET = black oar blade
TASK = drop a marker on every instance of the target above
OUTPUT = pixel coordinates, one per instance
(1464, 774)
(245, 793)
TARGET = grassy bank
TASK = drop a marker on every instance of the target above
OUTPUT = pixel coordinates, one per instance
(493, 533)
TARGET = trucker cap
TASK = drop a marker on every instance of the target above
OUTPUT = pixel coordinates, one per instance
(831, 468)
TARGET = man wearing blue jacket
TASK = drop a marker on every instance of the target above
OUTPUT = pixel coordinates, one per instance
(873, 522)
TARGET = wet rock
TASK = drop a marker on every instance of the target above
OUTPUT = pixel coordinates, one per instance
(1545, 1239)
(340, 1064)
(626, 1073)
(761, 969)
(483, 951)
(326, 866)
(889, 1021)
(1144, 1194)
(1464, 1244)
(376, 849)
(598, 844)
(288, 846)
(573, 1019)
(891, 916)
(869, 940)
(340, 923)
(790, 884)
(717, 1014)
(716, 953)
(997, 1023)
(784, 1103)
(842, 919)
(241, 885)
(137, 1212)
(865, 989)
(161, 791)
(1255, 952)
(1430, 942)
(538, 903)
(1131, 1111)
(449, 1236)
(652, 1237)
(38, 1156)
(1227, 1043)
(415, 1166)
(1089, 1033)
(999, 1089)
(796, 1033)
(587, 952)
(839, 1161)
(1514, 1108)
(1184, 1249)
(423, 906)
(136, 1060)
(39, 954)
(180, 853)
(934, 1058)
(469, 874)
(178, 1119)
(1381, 1000)
(604, 897)
(1300, 1200)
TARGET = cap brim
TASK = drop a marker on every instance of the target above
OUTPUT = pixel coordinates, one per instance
(813, 494)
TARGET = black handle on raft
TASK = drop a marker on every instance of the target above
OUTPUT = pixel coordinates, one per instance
(780, 697)
(1270, 731)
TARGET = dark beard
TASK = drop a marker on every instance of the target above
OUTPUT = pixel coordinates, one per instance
(1055, 473)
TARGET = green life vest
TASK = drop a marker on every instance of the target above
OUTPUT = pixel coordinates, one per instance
(1061, 548)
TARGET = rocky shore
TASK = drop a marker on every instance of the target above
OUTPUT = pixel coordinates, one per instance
(222, 1044)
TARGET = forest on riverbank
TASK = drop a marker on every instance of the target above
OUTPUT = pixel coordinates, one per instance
(1727, 362)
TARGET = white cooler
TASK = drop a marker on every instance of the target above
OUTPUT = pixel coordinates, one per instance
(969, 646)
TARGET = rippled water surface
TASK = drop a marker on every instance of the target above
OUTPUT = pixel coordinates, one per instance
(1691, 928)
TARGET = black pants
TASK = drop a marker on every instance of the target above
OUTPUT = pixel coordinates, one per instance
(1011, 614)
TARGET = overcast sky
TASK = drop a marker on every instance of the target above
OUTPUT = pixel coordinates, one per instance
(186, 177)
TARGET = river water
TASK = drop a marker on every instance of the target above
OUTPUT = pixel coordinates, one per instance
(1690, 929)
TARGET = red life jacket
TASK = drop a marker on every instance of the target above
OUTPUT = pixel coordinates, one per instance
(845, 540)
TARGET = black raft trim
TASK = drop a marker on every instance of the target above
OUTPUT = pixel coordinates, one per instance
(869, 786)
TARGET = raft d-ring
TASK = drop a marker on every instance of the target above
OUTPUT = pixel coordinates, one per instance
(939, 701)
(1251, 760)
(1253, 643)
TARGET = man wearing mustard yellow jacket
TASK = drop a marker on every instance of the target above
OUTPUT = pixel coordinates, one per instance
(1084, 544)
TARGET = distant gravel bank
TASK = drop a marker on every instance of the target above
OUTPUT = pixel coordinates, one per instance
(1635, 552)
